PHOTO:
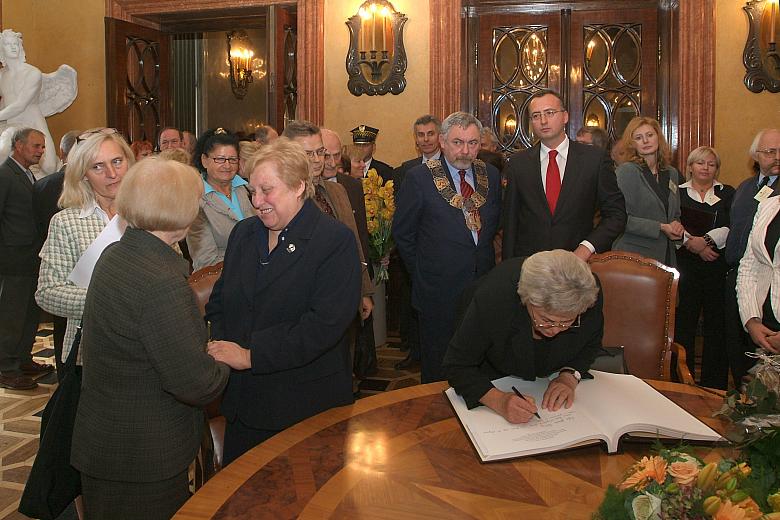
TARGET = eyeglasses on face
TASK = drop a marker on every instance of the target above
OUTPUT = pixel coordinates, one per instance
(769, 152)
(333, 156)
(222, 160)
(549, 113)
(100, 131)
(319, 153)
(547, 324)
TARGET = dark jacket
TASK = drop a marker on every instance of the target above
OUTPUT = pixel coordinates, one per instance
(494, 338)
(146, 372)
(384, 170)
(293, 318)
(589, 185)
(19, 239)
(434, 242)
(354, 189)
(46, 193)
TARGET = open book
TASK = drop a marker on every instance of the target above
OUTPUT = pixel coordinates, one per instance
(605, 408)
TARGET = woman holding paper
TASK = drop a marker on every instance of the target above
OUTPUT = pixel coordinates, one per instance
(96, 165)
(529, 317)
(705, 205)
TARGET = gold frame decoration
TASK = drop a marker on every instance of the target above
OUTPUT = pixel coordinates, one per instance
(760, 56)
(376, 59)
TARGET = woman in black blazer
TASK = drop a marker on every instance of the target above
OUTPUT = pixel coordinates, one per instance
(281, 309)
(705, 205)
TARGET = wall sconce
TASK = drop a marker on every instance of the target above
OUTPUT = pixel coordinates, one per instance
(592, 120)
(760, 56)
(510, 125)
(376, 59)
(240, 57)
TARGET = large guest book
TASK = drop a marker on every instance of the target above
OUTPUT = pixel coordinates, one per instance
(605, 409)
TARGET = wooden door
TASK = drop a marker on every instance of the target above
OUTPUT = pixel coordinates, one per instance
(283, 94)
(137, 71)
(519, 54)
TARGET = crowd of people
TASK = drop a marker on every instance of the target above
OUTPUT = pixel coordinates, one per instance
(288, 324)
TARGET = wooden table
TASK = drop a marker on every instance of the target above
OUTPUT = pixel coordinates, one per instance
(403, 454)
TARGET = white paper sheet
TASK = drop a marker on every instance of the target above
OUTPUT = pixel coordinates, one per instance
(82, 272)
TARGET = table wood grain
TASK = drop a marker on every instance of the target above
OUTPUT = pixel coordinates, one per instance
(403, 454)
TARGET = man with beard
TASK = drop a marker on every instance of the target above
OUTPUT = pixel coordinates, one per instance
(447, 212)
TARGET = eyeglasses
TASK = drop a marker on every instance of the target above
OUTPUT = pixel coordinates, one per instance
(332, 157)
(101, 131)
(547, 324)
(549, 113)
(222, 160)
(771, 152)
(319, 153)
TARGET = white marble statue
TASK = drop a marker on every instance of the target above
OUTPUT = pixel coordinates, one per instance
(29, 96)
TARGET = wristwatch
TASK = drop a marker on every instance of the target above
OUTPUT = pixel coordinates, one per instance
(572, 371)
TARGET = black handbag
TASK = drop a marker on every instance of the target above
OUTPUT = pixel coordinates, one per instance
(53, 483)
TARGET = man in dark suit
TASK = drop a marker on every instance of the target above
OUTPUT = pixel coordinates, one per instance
(426, 138)
(364, 139)
(46, 193)
(365, 348)
(19, 247)
(555, 188)
(446, 215)
(743, 208)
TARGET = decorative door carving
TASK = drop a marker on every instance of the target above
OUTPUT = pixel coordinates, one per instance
(137, 92)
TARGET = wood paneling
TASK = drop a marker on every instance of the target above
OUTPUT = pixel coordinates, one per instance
(696, 68)
(446, 57)
(311, 60)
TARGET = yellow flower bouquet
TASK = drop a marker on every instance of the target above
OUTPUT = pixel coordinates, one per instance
(380, 206)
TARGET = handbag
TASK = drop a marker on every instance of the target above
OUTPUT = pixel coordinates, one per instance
(53, 483)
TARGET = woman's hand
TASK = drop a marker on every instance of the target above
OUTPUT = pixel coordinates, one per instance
(708, 254)
(674, 230)
(761, 335)
(232, 354)
(509, 406)
(695, 245)
(560, 392)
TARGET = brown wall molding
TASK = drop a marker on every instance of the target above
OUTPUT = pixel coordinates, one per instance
(446, 73)
(696, 68)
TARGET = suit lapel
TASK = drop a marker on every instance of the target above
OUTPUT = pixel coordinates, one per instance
(289, 252)
(21, 175)
(644, 180)
(535, 183)
(458, 214)
(570, 178)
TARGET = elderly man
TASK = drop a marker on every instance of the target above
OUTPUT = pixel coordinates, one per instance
(171, 137)
(19, 246)
(555, 187)
(364, 139)
(331, 198)
(488, 140)
(593, 135)
(265, 134)
(447, 212)
(752, 191)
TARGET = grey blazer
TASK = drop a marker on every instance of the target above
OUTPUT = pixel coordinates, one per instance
(208, 235)
(646, 213)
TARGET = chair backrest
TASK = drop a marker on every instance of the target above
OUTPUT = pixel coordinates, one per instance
(202, 282)
(640, 295)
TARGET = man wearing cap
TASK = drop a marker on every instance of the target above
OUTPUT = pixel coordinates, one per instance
(364, 139)
(447, 213)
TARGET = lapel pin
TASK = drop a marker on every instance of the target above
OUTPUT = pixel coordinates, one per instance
(291, 248)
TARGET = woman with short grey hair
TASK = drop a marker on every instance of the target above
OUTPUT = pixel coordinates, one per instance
(532, 317)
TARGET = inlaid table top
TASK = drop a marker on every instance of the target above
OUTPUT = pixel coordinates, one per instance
(403, 454)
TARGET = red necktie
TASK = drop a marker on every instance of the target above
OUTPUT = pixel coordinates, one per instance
(466, 190)
(553, 181)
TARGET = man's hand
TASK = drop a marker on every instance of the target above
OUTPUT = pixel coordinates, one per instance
(760, 335)
(232, 354)
(695, 245)
(366, 306)
(560, 392)
(582, 252)
(509, 406)
(708, 254)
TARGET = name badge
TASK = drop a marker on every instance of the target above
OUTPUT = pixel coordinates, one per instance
(763, 194)
(711, 198)
(673, 187)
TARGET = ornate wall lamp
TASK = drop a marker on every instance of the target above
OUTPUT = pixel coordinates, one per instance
(241, 62)
(761, 57)
(376, 60)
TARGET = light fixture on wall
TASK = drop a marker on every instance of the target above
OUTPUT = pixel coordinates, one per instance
(510, 125)
(592, 120)
(240, 57)
(760, 56)
(376, 60)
